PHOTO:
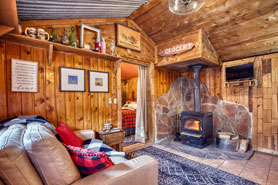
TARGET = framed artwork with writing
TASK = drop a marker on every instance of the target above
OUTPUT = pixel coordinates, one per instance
(128, 38)
(24, 75)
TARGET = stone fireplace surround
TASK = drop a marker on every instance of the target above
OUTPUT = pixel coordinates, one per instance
(227, 116)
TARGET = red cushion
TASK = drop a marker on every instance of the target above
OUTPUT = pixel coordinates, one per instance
(88, 161)
(68, 136)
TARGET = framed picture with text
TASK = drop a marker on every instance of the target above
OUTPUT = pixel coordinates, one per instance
(128, 38)
(24, 76)
(72, 79)
(98, 81)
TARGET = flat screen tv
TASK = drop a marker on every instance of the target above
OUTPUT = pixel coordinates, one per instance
(240, 72)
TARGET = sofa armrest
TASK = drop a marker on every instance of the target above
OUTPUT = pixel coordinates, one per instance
(142, 170)
(85, 134)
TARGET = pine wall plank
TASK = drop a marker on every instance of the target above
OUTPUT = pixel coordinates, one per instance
(3, 88)
(78, 110)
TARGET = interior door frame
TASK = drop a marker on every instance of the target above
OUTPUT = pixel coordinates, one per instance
(149, 91)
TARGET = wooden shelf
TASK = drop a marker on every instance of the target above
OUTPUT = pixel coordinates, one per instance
(243, 83)
(24, 40)
(5, 29)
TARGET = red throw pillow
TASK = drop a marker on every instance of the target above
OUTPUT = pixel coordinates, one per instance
(68, 136)
(88, 161)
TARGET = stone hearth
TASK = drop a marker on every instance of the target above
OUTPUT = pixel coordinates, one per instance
(228, 116)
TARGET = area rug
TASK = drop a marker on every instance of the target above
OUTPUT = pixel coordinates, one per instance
(177, 170)
(130, 140)
(209, 152)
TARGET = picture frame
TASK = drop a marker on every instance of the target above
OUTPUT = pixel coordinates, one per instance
(24, 76)
(82, 29)
(127, 37)
(72, 79)
(98, 81)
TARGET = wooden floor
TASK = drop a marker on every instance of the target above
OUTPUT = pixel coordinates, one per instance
(261, 168)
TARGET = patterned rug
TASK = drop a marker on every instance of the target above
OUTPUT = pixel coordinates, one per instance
(130, 140)
(177, 170)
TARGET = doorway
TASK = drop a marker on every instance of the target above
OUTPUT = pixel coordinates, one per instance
(129, 81)
(128, 75)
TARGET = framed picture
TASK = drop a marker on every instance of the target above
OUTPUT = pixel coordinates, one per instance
(98, 81)
(24, 76)
(72, 79)
(128, 38)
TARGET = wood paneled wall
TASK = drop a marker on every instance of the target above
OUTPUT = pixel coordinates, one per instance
(262, 100)
(211, 77)
(79, 110)
(108, 31)
(163, 79)
(129, 87)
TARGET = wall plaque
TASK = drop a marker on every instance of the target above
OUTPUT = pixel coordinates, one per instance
(24, 76)
(128, 38)
(180, 48)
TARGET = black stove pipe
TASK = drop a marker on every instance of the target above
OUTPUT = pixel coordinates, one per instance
(197, 99)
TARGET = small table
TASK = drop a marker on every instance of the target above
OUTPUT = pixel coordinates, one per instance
(113, 138)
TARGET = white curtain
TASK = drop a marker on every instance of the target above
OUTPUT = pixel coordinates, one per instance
(141, 111)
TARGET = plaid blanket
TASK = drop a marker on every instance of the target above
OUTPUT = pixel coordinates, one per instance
(128, 119)
(100, 146)
(88, 161)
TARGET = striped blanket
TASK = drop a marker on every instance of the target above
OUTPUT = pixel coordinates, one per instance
(100, 146)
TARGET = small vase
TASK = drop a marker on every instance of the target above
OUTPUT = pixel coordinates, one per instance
(53, 36)
(65, 39)
(72, 40)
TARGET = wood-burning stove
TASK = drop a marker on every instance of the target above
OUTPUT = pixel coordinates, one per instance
(197, 126)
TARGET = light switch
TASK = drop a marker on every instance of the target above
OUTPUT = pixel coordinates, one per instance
(115, 101)
(110, 100)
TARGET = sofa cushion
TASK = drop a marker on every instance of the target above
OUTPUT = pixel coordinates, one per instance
(15, 165)
(49, 156)
(117, 159)
(68, 136)
(88, 161)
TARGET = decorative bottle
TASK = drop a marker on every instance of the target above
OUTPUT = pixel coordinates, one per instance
(53, 36)
(72, 40)
(112, 47)
(103, 46)
(97, 45)
(64, 38)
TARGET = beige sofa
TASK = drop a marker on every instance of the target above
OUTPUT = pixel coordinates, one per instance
(31, 155)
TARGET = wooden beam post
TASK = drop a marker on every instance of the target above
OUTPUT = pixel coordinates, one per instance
(117, 65)
(50, 54)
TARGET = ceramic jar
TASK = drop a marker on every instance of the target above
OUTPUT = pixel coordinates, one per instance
(31, 32)
(41, 34)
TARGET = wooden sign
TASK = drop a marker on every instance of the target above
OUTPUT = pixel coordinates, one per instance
(180, 48)
(24, 76)
(128, 37)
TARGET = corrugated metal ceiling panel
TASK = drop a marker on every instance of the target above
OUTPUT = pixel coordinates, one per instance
(66, 9)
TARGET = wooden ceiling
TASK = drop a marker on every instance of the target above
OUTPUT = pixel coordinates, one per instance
(236, 28)
(129, 70)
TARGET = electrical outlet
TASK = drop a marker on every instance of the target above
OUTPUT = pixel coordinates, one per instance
(110, 100)
(115, 101)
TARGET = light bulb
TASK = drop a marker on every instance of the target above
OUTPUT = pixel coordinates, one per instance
(195, 5)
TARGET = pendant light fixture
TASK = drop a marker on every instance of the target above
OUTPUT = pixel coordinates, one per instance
(183, 7)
